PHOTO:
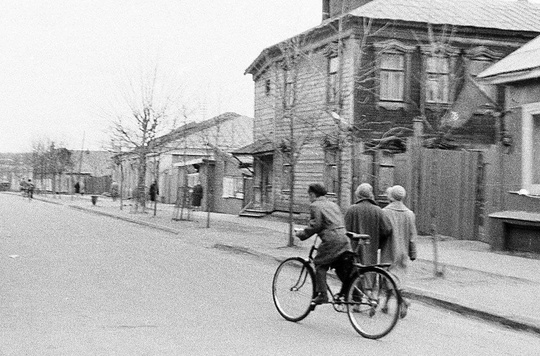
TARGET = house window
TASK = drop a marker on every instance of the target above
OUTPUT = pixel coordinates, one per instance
(330, 170)
(437, 82)
(233, 187)
(267, 87)
(289, 89)
(286, 182)
(333, 68)
(531, 148)
(392, 76)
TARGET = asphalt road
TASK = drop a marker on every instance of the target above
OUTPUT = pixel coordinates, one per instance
(80, 284)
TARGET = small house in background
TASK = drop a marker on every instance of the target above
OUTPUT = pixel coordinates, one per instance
(196, 153)
(514, 202)
(93, 171)
(14, 168)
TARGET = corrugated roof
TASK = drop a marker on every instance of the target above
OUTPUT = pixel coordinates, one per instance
(497, 14)
(526, 58)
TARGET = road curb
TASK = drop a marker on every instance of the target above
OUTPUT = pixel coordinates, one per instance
(514, 322)
(135, 221)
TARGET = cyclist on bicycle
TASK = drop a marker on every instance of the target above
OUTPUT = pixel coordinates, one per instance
(326, 220)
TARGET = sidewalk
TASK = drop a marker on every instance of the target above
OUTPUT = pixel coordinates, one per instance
(476, 281)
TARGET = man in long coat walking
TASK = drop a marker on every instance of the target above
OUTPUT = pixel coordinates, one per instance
(366, 217)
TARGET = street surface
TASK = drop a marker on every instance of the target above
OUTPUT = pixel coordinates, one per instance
(75, 283)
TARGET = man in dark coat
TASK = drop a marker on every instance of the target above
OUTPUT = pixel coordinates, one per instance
(154, 191)
(366, 217)
(326, 220)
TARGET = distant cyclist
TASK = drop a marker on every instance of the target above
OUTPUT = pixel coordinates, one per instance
(30, 188)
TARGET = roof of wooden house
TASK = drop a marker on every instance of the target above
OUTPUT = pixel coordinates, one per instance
(521, 64)
(520, 15)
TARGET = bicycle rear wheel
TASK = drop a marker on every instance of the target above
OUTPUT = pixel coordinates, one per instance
(293, 288)
(373, 303)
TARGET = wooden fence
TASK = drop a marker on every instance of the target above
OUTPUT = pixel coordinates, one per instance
(446, 192)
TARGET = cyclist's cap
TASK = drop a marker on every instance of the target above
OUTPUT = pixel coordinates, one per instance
(317, 189)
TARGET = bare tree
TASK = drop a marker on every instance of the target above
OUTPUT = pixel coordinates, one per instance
(149, 110)
(49, 161)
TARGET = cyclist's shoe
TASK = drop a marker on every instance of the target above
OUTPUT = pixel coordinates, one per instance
(404, 308)
(320, 298)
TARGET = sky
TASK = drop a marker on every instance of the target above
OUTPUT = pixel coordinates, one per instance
(64, 64)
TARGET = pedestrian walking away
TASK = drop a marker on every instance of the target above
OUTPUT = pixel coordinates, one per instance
(196, 196)
(366, 217)
(154, 191)
(401, 246)
(325, 220)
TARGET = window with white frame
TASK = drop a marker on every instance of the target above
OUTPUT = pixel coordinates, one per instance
(530, 149)
(233, 187)
(333, 69)
(392, 76)
(437, 79)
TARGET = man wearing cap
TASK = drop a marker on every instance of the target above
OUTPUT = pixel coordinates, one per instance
(325, 220)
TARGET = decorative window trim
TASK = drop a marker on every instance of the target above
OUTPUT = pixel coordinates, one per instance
(332, 49)
(440, 49)
(393, 46)
(482, 53)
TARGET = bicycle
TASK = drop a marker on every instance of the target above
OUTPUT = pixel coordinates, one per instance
(372, 300)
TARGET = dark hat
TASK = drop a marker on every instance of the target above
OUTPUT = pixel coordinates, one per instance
(317, 189)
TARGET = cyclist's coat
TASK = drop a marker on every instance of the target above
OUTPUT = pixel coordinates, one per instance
(326, 220)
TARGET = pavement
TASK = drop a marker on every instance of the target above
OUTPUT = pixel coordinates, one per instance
(467, 277)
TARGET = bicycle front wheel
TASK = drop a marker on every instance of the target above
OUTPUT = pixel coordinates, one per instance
(293, 288)
(373, 303)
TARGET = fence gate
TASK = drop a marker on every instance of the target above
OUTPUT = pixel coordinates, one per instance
(450, 193)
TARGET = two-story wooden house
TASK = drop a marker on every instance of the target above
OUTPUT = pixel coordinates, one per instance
(354, 84)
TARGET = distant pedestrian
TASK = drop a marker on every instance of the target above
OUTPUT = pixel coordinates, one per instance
(196, 196)
(154, 191)
(77, 187)
(366, 217)
(114, 190)
(401, 246)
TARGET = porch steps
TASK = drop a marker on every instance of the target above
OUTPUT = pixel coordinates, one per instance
(254, 213)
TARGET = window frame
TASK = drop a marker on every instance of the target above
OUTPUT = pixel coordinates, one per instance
(331, 179)
(332, 79)
(527, 148)
(389, 70)
(288, 88)
(442, 92)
